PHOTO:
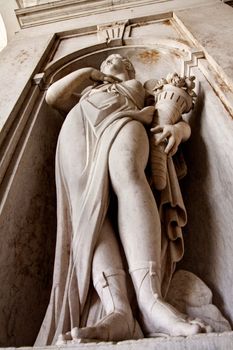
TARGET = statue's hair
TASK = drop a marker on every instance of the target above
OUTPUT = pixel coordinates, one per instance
(128, 65)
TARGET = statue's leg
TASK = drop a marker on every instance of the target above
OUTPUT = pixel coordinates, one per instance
(140, 231)
(109, 281)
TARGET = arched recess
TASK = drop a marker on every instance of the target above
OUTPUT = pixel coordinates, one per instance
(28, 185)
(146, 52)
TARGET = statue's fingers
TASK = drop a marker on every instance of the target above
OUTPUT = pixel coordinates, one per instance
(97, 75)
(111, 79)
(108, 79)
(170, 144)
(173, 150)
(149, 109)
(163, 137)
(157, 129)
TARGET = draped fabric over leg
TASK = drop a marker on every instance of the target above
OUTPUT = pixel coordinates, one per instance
(79, 225)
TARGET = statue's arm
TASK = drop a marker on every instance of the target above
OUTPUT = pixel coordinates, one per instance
(61, 94)
(145, 115)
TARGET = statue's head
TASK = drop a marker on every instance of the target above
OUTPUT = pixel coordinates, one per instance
(116, 64)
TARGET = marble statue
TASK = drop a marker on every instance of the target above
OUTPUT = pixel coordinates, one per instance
(104, 255)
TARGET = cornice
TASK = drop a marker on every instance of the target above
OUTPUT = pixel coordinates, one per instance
(68, 9)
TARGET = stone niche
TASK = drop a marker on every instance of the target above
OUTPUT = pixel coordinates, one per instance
(28, 209)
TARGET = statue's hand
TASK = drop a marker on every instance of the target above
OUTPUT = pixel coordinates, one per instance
(97, 75)
(169, 133)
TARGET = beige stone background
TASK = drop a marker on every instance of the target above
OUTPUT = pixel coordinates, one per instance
(160, 36)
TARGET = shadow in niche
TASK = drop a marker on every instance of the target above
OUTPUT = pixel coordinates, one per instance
(199, 256)
(31, 232)
(53, 121)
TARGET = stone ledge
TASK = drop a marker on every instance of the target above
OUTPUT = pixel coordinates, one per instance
(211, 341)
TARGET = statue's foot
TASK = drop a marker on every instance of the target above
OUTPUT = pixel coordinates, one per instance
(113, 327)
(63, 339)
(165, 319)
(157, 316)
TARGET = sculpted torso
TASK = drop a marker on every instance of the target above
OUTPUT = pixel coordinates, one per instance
(103, 146)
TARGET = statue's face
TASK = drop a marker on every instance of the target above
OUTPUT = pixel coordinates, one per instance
(114, 65)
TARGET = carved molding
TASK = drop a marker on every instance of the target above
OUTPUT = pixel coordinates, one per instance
(68, 9)
(29, 3)
(39, 79)
(111, 31)
(192, 61)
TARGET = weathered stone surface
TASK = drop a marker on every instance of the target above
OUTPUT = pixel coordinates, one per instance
(18, 62)
(208, 195)
(202, 23)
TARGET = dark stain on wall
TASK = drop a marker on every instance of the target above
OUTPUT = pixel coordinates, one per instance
(149, 56)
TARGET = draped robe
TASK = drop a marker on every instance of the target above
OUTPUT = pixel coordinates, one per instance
(83, 194)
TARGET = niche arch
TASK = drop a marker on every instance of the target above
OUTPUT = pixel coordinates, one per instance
(148, 52)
